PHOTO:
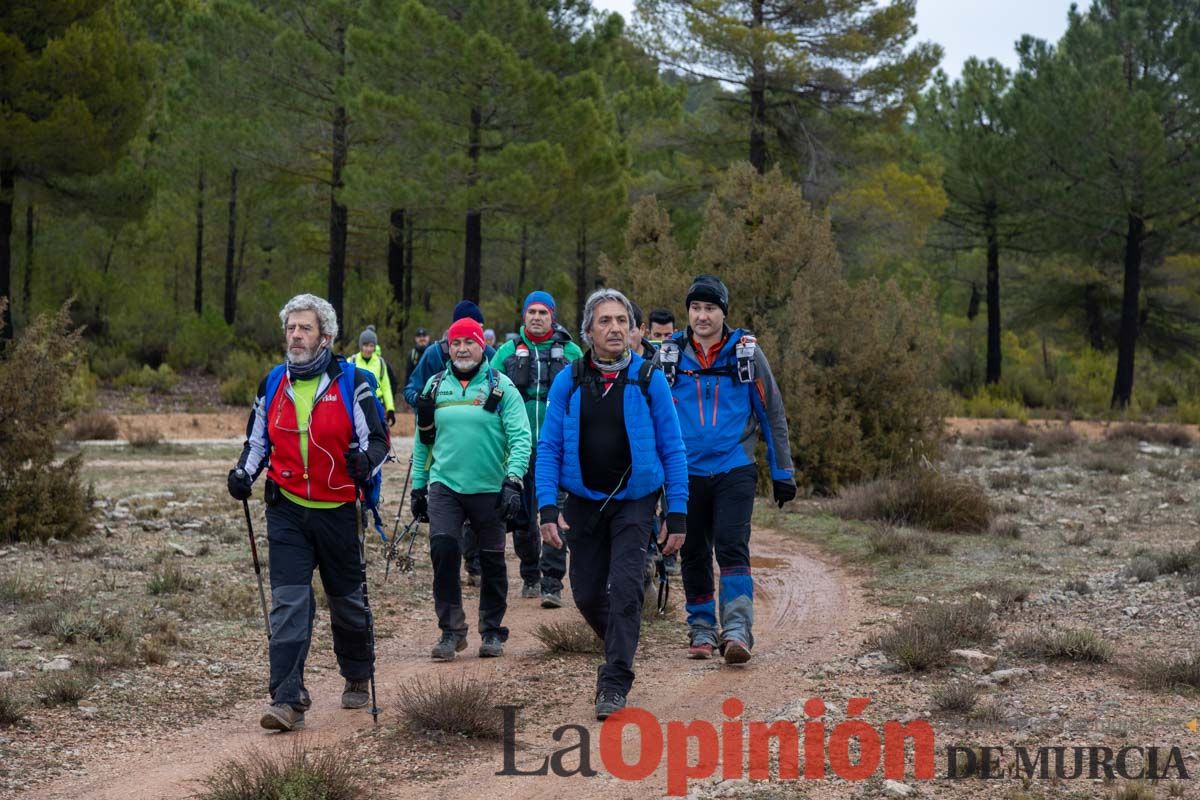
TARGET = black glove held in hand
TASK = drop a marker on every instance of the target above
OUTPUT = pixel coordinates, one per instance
(359, 467)
(419, 502)
(509, 500)
(391, 418)
(784, 491)
(240, 484)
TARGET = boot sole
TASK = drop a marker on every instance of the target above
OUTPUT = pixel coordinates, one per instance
(736, 653)
(274, 723)
(488, 653)
(547, 603)
(355, 703)
(700, 655)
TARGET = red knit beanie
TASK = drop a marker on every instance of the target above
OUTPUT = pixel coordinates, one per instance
(466, 328)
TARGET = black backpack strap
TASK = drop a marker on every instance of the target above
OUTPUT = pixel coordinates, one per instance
(643, 379)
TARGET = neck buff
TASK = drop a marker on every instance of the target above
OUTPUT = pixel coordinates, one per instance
(313, 368)
(616, 365)
(468, 374)
(538, 339)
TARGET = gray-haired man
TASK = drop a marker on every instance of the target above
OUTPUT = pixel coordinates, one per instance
(315, 418)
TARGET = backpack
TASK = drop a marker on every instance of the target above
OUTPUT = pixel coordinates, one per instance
(580, 375)
(373, 491)
(427, 404)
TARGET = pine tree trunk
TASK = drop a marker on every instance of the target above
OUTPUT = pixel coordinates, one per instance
(338, 214)
(581, 270)
(27, 278)
(8, 180)
(473, 247)
(993, 306)
(1093, 316)
(230, 251)
(198, 296)
(408, 269)
(758, 99)
(1128, 333)
(395, 262)
(524, 266)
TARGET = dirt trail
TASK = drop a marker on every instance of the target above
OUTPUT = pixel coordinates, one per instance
(806, 612)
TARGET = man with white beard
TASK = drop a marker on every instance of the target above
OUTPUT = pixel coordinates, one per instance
(316, 422)
(470, 453)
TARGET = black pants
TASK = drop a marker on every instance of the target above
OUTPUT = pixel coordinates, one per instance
(608, 551)
(719, 511)
(448, 510)
(301, 540)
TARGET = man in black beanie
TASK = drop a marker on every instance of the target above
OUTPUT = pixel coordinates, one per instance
(725, 395)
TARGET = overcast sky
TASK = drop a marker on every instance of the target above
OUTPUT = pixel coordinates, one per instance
(965, 28)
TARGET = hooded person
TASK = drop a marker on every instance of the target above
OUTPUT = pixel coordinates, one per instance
(726, 395)
(470, 453)
(533, 360)
(370, 358)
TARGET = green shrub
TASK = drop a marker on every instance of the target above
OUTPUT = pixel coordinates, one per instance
(159, 381)
(200, 342)
(12, 705)
(988, 404)
(302, 774)
(109, 364)
(1063, 645)
(926, 638)
(39, 498)
(171, 579)
(96, 425)
(923, 498)
(240, 373)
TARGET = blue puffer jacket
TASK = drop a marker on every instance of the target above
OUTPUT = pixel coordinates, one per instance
(433, 361)
(720, 417)
(654, 443)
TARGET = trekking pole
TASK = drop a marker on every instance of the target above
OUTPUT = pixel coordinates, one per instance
(262, 596)
(391, 552)
(406, 565)
(362, 561)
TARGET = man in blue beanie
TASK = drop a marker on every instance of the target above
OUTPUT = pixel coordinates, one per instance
(541, 351)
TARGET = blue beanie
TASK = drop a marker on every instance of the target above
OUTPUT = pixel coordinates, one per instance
(544, 298)
(467, 309)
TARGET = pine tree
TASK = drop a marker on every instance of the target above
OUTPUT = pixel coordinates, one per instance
(1107, 123)
(74, 90)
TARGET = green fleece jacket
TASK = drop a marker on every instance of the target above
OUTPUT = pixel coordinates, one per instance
(535, 397)
(475, 449)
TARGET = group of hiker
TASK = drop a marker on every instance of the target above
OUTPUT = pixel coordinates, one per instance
(632, 451)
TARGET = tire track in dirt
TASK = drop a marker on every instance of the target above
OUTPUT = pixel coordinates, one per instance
(806, 611)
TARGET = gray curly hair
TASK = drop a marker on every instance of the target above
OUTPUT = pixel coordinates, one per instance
(326, 318)
(589, 310)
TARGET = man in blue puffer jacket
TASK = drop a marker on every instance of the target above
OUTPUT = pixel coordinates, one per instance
(725, 395)
(611, 440)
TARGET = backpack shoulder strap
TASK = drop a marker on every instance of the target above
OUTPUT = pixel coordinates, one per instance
(645, 371)
(577, 369)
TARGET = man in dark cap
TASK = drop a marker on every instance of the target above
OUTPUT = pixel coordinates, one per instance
(725, 396)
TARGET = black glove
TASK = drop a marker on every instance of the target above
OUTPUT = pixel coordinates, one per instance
(419, 502)
(784, 491)
(359, 467)
(509, 499)
(391, 418)
(240, 484)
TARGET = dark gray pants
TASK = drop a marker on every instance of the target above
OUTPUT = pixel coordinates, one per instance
(608, 551)
(301, 540)
(448, 510)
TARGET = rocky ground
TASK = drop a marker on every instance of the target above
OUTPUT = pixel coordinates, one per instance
(139, 649)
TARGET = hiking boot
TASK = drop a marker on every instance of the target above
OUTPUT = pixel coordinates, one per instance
(735, 652)
(700, 650)
(492, 646)
(449, 644)
(551, 599)
(608, 702)
(472, 579)
(282, 717)
(530, 590)
(356, 694)
(305, 700)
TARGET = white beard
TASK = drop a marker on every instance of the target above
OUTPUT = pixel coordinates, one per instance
(465, 364)
(307, 357)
